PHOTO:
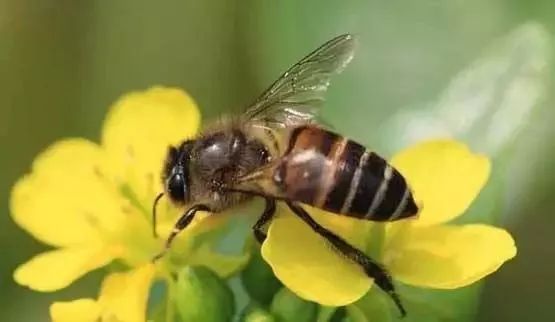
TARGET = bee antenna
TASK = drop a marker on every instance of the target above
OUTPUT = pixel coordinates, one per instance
(158, 197)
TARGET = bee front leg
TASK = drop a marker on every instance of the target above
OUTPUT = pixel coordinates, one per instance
(266, 216)
(374, 270)
(181, 224)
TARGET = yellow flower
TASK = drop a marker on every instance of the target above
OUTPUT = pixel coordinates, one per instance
(122, 298)
(426, 252)
(92, 203)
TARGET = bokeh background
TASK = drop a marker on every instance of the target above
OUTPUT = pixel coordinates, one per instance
(423, 68)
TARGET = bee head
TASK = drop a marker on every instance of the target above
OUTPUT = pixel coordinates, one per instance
(176, 175)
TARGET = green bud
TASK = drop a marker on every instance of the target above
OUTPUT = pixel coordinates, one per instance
(255, 313)
(288, 307)
(259, 280)
(202, 296)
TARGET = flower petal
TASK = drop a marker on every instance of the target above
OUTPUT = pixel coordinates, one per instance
(81, 310)
(138, 130)
(447, 257)
(445, 177)
(53, 270)
(307, 265)
(66, 200)
(124, 296)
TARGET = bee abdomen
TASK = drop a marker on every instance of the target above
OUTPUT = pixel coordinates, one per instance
(378, 191)
(341, 176)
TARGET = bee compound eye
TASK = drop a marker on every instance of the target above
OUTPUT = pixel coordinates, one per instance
(176, 187)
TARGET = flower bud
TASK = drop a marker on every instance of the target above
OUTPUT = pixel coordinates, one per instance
(288, 307)
(259, 280)
(202, 296)
(255, 313)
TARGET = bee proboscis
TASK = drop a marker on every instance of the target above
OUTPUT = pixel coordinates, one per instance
(276, 150)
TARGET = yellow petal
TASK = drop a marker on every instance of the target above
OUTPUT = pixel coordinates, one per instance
(66, 200)
(138, 130)
(53, 270)
(445, 177)
(447, 257)
(81, 310)
(307, 265)
(124, 296)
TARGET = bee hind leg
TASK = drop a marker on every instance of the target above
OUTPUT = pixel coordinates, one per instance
(181, 224)
(374, 270)
(267, 215)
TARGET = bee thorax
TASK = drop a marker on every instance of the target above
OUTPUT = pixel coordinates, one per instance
(218, 160)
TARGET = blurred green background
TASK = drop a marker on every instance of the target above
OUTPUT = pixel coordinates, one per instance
(62, 63)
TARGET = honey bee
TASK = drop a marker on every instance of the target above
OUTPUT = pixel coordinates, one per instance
(277, 151)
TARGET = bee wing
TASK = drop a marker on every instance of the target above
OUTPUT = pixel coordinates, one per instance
(296, 96)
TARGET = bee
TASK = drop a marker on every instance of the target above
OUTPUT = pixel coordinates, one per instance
(277, 151)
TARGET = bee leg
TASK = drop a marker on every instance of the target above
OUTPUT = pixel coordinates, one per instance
(181, 224)
(156, 200)
(374, 270)
(266, 216)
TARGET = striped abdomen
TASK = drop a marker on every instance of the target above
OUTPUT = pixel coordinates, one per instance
(333, 173)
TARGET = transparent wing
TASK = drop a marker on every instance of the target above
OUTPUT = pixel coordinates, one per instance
(298, 94)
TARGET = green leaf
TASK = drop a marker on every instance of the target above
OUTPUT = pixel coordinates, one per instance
(288, 307)
(258, 279)
(200, 295)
